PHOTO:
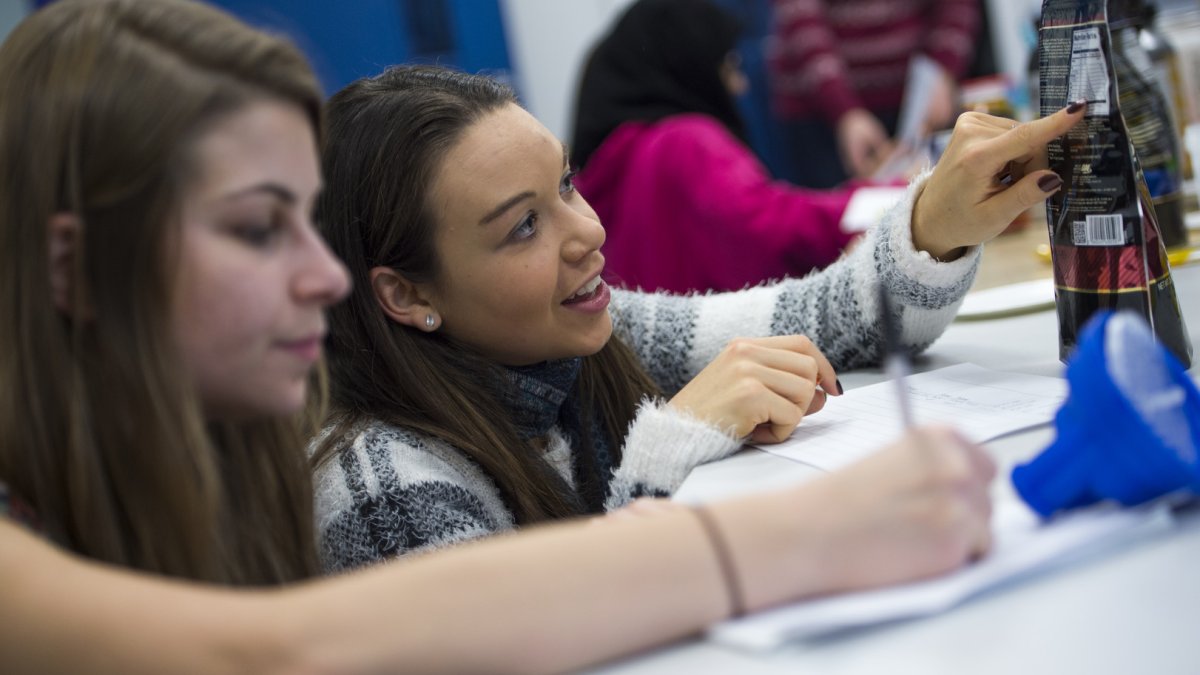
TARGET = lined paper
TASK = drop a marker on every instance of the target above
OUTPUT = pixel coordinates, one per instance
(983, 404)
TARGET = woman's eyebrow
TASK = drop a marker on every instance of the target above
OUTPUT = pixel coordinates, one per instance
(506, 205)
(518, 198)
(279, 191)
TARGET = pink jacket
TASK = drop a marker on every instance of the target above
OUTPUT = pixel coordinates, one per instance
(688, 207)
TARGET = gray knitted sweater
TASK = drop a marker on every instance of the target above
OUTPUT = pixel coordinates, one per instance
(390, 491)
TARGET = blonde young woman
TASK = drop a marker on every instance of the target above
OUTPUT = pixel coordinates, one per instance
(485, 377)
(161, 309)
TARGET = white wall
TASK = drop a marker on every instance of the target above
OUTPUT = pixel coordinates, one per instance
(1013, 39)
(547, 42)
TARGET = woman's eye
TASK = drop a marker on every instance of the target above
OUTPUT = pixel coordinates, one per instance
(567, 186)
(525, 229)
(259, 235)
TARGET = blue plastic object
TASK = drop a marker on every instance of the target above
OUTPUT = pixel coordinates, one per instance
(1129, 430)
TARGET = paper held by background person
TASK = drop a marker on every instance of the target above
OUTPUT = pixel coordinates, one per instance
(984, 404)
(923, 77)
(915, 147)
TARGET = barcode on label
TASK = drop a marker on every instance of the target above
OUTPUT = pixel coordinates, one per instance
(1104, 230)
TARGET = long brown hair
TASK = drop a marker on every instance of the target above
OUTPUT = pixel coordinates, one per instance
(387, 136)
(101, 103)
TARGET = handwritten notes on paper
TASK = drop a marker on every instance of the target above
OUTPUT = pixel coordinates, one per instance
(983, 404)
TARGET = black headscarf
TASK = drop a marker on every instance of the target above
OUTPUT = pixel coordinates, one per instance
(661, 58)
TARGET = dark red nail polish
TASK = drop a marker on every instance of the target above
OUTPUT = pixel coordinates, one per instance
(1049, 183)
(1075, 106)
(839, 386)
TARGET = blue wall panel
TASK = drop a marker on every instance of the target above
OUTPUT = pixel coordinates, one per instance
(346, 41)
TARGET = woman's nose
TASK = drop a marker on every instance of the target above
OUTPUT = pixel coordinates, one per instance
(584, 236)
(322, 278)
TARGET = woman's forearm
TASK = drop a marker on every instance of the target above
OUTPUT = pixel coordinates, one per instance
(550, 599)
(565, 596)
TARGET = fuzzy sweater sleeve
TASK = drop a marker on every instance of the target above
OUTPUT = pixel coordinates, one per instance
(663, 445)
(388, 492)
(678, 335)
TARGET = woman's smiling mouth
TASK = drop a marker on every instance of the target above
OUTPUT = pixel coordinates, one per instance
(591, 297)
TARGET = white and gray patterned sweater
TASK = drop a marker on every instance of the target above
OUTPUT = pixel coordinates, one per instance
(392, 491)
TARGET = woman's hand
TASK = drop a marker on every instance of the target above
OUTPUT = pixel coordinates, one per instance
(992, 170)
(915, 509)
(760, 387)
(862, 142)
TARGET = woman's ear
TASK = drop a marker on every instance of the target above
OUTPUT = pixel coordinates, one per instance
(63, 233)
(402, 301)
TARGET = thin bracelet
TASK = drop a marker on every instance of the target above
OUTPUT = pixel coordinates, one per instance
(724, 559)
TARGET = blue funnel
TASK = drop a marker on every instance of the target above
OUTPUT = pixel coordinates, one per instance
(1129, 430)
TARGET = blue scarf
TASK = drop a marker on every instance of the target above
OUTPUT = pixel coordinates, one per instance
(542, 396)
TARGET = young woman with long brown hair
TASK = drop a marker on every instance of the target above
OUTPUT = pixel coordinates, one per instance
(485, 377)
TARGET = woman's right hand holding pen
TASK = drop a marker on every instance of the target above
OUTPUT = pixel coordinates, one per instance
(915, 509)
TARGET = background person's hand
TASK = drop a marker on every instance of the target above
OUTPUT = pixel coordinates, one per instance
(993, 169)
(863, 142)
(915, 509)
(760, 387)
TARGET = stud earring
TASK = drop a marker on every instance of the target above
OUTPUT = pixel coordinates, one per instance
(429, 321)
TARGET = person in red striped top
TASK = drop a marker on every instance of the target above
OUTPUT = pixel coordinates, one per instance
(837, 71)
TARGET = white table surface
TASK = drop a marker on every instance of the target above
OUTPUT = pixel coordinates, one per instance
(1133, 610)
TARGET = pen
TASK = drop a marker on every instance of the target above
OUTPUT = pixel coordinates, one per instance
(895, 361)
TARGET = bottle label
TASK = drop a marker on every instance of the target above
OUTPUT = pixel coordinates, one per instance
(1089, 71)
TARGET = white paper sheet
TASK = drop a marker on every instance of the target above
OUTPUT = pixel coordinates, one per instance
(867, 206)
(983, 404)
(1009, 300)
(923, 74)
(1022, 546)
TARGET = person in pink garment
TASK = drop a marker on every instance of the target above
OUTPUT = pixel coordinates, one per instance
(664, 161)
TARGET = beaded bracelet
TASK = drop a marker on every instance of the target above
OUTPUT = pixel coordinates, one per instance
(724, 559)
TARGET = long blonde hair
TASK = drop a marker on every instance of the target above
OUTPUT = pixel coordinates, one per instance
(101, 102)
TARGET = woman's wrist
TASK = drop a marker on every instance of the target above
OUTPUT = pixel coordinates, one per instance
(774, 547)
(928, 239)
